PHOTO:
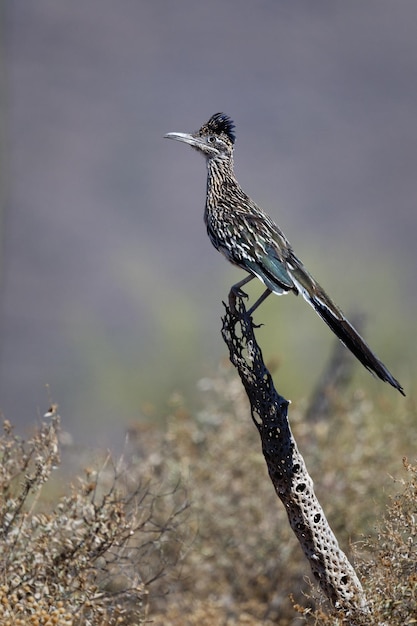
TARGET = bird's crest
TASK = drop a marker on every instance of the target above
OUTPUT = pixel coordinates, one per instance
(220, 123)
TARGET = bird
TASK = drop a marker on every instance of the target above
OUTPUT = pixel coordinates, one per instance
(250, 239)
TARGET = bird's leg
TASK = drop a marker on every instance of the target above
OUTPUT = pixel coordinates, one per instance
(259, 301)
(236, 292)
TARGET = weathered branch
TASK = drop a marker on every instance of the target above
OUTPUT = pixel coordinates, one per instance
(287, 469)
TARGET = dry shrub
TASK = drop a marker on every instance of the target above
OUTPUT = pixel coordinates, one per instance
(118, 550)
(90, 559)
(390, 570)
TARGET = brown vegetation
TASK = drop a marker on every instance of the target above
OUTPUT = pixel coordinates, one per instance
(186, 527)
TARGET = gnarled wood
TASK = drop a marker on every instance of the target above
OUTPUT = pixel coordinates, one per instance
(287, 470)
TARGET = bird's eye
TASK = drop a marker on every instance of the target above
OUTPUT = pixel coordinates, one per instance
(211, 139)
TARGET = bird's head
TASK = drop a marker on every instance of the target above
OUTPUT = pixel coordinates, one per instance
(214, 140)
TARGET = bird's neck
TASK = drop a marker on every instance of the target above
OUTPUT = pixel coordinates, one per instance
(220, 176)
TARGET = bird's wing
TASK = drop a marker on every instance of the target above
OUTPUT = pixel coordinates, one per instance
(268, 251)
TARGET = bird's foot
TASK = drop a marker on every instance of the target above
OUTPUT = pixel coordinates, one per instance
(234, 294)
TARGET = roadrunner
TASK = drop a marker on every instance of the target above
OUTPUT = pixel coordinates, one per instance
(248, 238)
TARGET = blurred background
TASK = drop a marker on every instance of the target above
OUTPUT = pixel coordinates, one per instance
(111, 294)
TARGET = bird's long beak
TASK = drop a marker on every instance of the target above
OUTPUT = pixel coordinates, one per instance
(195, 142)
(185, 137)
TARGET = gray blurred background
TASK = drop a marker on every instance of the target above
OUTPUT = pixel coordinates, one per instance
(110, 290)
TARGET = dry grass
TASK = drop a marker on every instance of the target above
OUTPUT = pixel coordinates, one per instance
(123, 546)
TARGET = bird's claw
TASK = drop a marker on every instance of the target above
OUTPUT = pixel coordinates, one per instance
(235, 293)
(239, 293)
